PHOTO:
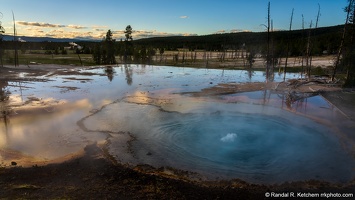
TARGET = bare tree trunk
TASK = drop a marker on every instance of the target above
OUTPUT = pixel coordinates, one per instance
(303, 54)
(273, 59)
(350, 73)
(288, 45)
(2, 30)
(1, 62)
(81, 62)
(308, 53)
(15, 41)
(342, 41)
(268, 44)
(315, 29)
(243, 57)
(205, 57)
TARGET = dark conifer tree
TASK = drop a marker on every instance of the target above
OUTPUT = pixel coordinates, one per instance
(128, 44)
(109, 49)
(104, 52)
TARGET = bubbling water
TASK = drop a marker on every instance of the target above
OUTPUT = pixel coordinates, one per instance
(228, 144)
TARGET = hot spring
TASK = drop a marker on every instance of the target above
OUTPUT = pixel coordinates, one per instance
(256, 143)
(147, 115)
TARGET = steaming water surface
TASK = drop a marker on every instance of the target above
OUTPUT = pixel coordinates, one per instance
(230, 136)
(255, 145)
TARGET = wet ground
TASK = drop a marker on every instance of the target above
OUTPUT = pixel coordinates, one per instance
(209, 124)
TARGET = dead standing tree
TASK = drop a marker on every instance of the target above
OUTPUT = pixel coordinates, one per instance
(308, 51)
(349, 58)
(268, 57)
(2, 31)
(271, 60)
(311, 44)
(251, 58)
(271, 54)
(348, 10)
(269, 67)
(303, 52)
(15, 41)
(309, 47)
(288, 45)
(348, 55)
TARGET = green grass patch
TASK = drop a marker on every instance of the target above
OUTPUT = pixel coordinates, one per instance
(41, 58)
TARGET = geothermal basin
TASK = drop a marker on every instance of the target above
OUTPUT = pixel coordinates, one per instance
(159, 116)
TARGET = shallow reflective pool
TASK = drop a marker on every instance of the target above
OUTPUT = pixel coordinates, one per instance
(144, 116)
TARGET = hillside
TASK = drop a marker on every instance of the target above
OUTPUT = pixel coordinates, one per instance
(43, 39)
(213, 40)
(329, 35)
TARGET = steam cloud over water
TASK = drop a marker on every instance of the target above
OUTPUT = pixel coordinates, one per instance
(230, 137)
(229, 142)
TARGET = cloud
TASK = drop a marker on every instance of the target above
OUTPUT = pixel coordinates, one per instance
(231, 31)
(40, 29)
(39, 24)
(139, 34)
(220, 32)
(49, 25)
(239, 30)
(99, 27)
(184, 17)
(76, 26)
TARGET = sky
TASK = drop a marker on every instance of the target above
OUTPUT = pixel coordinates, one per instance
(151, 18)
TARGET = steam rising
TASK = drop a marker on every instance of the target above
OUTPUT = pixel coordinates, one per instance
(230, 137)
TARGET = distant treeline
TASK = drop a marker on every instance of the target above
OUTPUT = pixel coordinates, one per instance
(325, 40)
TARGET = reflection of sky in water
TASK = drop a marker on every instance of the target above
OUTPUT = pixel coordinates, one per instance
(148, 78)
(224, 136)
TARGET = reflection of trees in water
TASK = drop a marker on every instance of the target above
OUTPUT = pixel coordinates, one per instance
(5, 118)
(4, 92)
(4, 108)
(129, 73)
(266, 96)
(109, 72)
(250, 74)
(290, 100)
(296, 101)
